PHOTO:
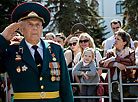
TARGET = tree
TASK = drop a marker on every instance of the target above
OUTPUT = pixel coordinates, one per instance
(6, 8)
(130, 19)
(62, 12)
(88, 15)
(68, 12)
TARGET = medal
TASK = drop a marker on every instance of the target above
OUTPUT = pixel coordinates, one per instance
(18, 69)
(24, 68)
(18, 57)
(54, 59)
(53, 78)
(58, 78)
(51, 72)
(58, 72)
(54, 72)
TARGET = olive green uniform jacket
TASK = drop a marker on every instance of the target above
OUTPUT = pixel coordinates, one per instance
(24, 74)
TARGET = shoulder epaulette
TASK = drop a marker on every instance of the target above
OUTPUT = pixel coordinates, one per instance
(53, 42)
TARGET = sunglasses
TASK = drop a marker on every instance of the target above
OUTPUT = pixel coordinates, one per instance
(85, 41)
(115, 28)
(74, 43)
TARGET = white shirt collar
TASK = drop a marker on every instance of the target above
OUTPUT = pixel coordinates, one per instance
(84, 63)
(38, 44)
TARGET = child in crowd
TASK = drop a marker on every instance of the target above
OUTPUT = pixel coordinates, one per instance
(87, 70)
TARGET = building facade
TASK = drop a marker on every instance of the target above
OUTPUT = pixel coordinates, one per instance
(109, 10)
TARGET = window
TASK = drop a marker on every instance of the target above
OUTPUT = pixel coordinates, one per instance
(119, 7)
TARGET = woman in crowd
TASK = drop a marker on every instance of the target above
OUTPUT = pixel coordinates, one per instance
(85, 40)
(72, 51)
(118, 58)
(70, 54)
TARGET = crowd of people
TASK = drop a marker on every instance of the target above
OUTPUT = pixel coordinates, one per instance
(119, 52)
(80, 54)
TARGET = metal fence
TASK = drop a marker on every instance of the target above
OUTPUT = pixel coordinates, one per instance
(109, 85)
(122, 84)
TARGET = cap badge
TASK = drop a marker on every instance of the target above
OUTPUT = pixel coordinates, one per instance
(33, 14)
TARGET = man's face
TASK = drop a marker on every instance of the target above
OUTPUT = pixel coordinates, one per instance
(115, 27)
(32, 30)
(59, 40)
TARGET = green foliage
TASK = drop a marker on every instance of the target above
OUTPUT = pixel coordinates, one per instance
(68, 12)
(130, 19)
(6, 8)
(65, 13)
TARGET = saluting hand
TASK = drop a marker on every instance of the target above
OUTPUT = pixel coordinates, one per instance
(9, 32)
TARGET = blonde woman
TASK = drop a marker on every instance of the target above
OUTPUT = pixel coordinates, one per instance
(72, 51)
(69, 56)
(85, 40)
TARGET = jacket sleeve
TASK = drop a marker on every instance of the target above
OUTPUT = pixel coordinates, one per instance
(76, 70)
(128, 60)
(66, 93)
(4, 44)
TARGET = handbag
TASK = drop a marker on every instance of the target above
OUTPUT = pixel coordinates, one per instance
(100, 89)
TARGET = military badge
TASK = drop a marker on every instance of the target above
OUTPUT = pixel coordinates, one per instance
(53, 78)
(55, 71)
(54, 59)
(18, 57)
(20, 50)
(19, 54)
(18, 69)
(54, 66)
(24, 68)
(58, 78)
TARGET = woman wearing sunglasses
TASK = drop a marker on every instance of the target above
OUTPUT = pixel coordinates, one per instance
(85, 40)
(69, 56)
(72, 51)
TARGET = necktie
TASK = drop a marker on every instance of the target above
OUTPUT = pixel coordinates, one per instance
(38, 59)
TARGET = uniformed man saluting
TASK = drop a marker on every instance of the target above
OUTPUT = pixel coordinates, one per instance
(37, 69)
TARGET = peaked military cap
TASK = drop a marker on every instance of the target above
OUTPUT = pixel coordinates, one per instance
(79, 28)
(31, 10)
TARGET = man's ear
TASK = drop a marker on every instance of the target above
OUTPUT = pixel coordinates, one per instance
(121, 27)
